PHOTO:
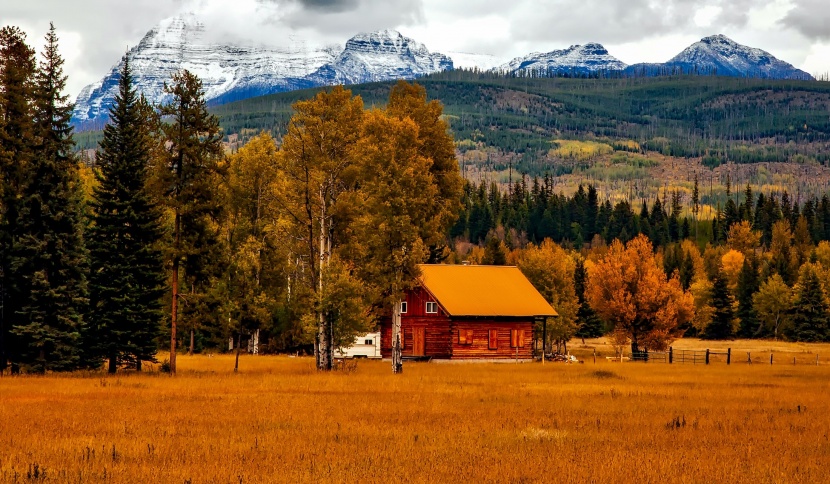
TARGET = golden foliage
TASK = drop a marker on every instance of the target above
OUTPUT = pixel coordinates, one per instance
(742, 238)
(732, 262)
(551, 271)
(580, 150)
(628, 289)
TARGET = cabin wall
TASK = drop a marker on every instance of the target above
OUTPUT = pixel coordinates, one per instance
(480, 346)
(441, 333)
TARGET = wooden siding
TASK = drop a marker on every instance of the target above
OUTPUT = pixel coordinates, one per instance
(441, 333)
(480, 347)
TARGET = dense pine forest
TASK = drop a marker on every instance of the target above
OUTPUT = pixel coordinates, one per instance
(646, 209)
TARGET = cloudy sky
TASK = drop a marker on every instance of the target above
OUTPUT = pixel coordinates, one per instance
(95, 33)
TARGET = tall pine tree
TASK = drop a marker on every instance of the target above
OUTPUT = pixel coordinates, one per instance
(17, 70)
(194, 146)
(127, 277)
(50, 260)
(810, 314)
(723, 316)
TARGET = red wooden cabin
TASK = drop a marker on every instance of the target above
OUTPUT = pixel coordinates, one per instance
(468, 312)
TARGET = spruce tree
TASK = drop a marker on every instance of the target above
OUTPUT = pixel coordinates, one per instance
(17, 70)
(723, 316)
(810, 316)
(194, 145)
(748, 284)
(50, 260)
(127, 278)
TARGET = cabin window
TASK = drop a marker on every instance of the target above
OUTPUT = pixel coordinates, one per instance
(465, 336)
(517, 338)
(493, 340)
(367, 342)
(403, 307)
(432, 307)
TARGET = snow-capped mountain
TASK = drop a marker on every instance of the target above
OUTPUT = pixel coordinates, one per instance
(723, 56)
(232, 72)
(380, 56)
(576, 59)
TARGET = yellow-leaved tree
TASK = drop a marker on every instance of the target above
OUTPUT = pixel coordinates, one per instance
(630, 291)
(551, 271)
(316, 165)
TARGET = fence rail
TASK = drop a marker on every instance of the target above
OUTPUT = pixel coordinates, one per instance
(695, 357)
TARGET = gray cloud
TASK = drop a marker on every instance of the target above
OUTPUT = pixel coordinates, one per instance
(330, 5)
(348, 17)
(578, 21)
(811, 18)
(93, 35)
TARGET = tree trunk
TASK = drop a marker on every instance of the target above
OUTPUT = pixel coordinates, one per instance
(113, 366)
(192, 341)
(397, 356)
(323, 330)
(138, 365)
(238, 344)
(174, 313)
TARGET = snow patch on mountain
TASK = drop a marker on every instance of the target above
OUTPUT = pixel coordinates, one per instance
(722, 55)
(231, 72)
(381, 56)
(580, 59)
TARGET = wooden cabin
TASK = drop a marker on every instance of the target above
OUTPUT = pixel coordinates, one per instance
(468, 312)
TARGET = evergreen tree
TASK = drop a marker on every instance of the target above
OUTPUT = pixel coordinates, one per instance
(194, 145)
(723, 316)
(810, 315)
(127, 278)
(494, 253)
(50, 258)
(17, 70)
(748, 285)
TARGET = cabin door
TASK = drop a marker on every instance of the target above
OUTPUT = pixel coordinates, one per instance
(418, 337)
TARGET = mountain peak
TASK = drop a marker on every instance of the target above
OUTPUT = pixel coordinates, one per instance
(581, 59)
(722, 55)
(718, 39)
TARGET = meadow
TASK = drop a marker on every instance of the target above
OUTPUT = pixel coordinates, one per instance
(278, 420)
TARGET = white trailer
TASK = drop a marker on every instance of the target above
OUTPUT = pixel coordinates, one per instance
(364, 346)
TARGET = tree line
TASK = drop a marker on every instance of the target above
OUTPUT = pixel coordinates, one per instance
(759, 267)
(167, 235)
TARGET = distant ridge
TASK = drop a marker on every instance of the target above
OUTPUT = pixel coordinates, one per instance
(232, 72)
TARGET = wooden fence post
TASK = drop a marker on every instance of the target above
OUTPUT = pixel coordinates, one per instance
(707, 356)
(770, 358)
(595, 356)
(671, 355)
(728, 355)
(748, 358)
(793, 360)
(816, 360)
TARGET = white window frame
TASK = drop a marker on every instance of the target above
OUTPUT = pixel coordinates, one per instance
(433, 305)
(403, 307)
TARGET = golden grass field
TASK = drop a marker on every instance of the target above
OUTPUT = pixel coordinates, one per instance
(277, 420)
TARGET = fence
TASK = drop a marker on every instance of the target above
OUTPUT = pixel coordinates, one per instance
(709, 356)
(695, 357)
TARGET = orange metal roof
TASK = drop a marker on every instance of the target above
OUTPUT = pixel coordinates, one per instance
(466, 290)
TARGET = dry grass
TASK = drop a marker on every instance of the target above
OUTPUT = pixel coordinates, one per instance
(280, 421)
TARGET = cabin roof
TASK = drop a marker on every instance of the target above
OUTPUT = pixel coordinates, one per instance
(473, 290)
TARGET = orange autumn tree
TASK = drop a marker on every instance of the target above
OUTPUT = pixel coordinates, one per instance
(630, 291)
